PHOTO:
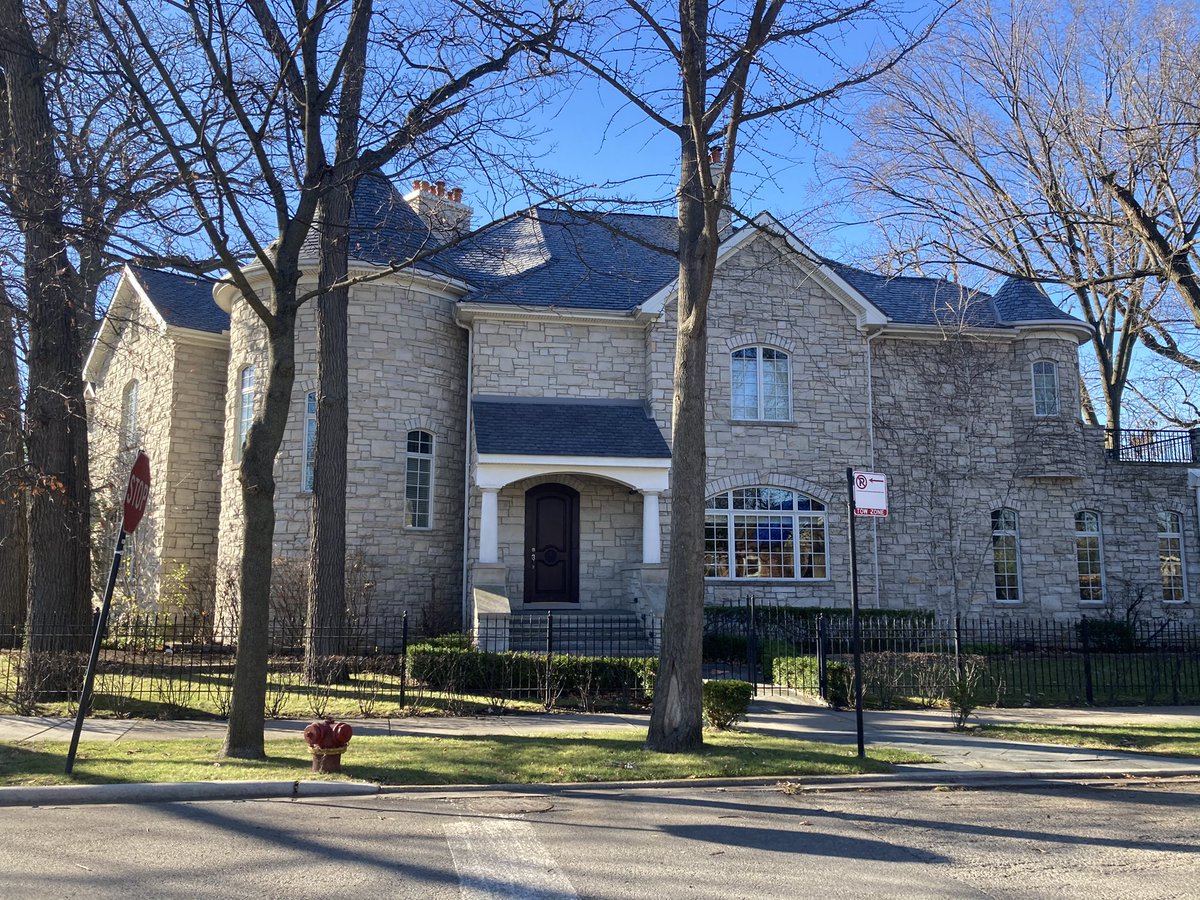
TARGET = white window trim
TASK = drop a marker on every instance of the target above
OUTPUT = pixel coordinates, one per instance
(1057, 388)
(242, 431)
(795, 514)
(432, 457)
(307, 476)
(760, 418)
(1098, 534)
(1016, 535)
(1183, 579)
(129, 414)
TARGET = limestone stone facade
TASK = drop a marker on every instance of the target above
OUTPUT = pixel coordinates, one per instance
(939, 394)
(158, 387)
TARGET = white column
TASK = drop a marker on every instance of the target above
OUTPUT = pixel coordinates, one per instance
(489, 528)
(651, 530)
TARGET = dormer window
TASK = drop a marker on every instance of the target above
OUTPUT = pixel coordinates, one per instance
(1045, 388)
(761, 384)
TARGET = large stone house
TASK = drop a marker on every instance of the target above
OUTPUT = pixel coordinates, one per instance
(510, 422)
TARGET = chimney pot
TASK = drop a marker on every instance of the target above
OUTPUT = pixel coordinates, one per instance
(417, 184)
(714, 154)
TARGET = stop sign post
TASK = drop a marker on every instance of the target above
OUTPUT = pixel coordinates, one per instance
(137, 493)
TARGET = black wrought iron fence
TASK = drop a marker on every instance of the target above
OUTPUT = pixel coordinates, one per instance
(911, 658)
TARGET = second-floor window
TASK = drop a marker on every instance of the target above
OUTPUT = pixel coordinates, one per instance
(1045, 388)
(762, 384)
(129, 416)
(310, 438)
(1170, 557)
(418, 480)
(1089, 556)
(1006, 556)
(245, 410)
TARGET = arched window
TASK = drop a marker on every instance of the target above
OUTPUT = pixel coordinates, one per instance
(245, 411)
(418, 480)
(310, 439)
(1006, 556)
(1045, 388)
(761, 384)
(765, 532)
(1089, 555)
(1170, 557)
(129, 415)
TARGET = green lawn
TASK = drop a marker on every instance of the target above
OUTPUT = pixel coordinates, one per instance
(588, 757)
(1160, 740)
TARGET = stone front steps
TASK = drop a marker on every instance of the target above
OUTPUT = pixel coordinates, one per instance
(605, 633)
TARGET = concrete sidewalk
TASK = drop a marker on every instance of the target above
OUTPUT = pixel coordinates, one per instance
(924, 731)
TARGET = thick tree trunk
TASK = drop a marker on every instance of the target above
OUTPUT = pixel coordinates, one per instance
(244, 737)
(59, 586)
(326, 622)
(14, 526)
(676, 722)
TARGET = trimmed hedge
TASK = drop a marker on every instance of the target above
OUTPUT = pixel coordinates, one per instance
(802, 673)
(725, 702)
(460, 670)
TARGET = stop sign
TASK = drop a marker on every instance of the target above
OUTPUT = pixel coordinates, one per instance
(137, 493)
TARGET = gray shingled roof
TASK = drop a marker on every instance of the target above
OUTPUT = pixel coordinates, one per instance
(554, 257)
(384, 230)
(182, 300)
(614, 261)
(562, 427)
(1023, 301)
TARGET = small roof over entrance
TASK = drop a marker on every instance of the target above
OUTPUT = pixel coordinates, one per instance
(519, 437)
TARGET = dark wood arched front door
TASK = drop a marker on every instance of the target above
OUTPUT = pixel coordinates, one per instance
(551, 544)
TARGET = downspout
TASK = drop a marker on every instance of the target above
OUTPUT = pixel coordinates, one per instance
(466, 548)
(871, 455)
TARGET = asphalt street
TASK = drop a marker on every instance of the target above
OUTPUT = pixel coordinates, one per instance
(1139, 838)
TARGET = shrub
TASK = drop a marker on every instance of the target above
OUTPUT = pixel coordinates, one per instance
(585, 679)
(1107, 635)
(802, 673)
(725, 702)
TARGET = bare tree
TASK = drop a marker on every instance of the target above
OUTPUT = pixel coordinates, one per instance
(716, 77)
(59, 589)
(1013, 159)
(281, 72)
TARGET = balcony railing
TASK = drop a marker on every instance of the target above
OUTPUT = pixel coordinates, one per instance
(1150, 446)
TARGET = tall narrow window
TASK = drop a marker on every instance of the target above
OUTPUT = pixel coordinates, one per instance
(245, 410)
(310, 438)
(1045, 388)
(761, 384)
(418, 480)
(129, 416)
(1006, 556)
(1089, 555)
(1170, 557)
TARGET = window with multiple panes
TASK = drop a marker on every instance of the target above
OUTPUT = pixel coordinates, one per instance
(765, 532)
(129, 415)
(1170, 557)
(245, 410)
(1006, 562)
(1089, 556)
(418, 480)
(762, 384)
(1045, 388)
(310, 438)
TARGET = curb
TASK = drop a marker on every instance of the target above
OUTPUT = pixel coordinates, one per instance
(178, 792)
(200, 791)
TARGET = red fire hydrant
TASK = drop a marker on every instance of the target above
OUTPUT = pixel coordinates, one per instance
(327, 742)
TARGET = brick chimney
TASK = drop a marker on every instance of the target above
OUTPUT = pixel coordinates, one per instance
(441, 209)
(724, 219)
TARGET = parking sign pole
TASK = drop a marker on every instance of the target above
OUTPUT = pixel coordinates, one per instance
(855, 632)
